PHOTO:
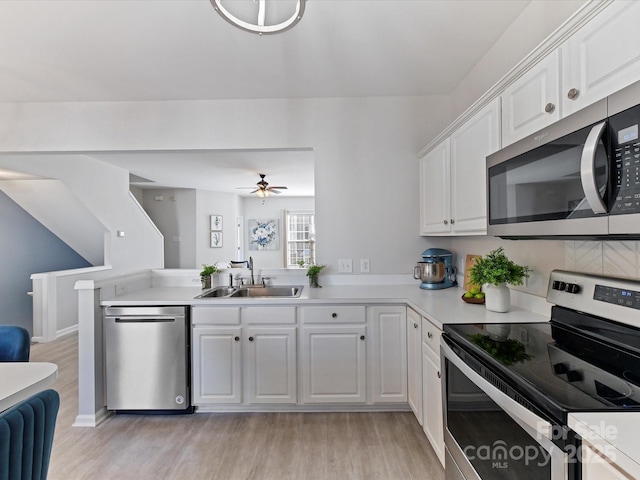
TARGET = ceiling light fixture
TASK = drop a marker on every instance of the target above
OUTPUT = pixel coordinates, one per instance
(259, 27)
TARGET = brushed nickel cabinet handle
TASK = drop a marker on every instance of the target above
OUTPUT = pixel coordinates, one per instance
(446, 222)
(429, 334)
(549, 107)
(251, 339)
(573, 93)
(452, 221)
(439, 376)
(237, 339)
(415, 325)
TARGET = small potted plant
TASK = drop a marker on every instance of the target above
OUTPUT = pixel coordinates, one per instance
(205, 274)
(312, 272)
(494, 271)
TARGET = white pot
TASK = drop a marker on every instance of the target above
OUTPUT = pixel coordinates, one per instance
(497, 297)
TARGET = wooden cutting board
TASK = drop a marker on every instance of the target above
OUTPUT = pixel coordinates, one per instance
(470, 262)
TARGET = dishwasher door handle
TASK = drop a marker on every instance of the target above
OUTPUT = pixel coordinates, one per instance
(154, 319)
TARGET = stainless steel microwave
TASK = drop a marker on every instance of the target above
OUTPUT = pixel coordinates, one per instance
(578, 178)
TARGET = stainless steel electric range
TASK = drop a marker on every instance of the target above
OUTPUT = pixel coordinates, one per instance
(509, 388)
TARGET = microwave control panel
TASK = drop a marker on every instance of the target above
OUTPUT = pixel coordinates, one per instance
(625, 152)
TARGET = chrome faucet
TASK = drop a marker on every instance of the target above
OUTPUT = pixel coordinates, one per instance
(251, 280)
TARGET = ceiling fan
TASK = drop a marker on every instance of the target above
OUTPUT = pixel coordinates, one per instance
(263, 189)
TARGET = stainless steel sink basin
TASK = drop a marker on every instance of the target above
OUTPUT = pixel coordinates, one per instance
(217, 292)
(253, 291)
(262, 292)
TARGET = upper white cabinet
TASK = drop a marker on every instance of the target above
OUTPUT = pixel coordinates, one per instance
(533, 101)
(453, 178)
(602, 57)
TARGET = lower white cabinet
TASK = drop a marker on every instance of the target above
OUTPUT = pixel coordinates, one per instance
(271, 365)
(433, 421)
(216, 365)
(388, 354)
(596, 466)
(414, 363)
(334, 364)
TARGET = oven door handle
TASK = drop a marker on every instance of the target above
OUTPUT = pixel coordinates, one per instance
(587, 169)
(535, 426)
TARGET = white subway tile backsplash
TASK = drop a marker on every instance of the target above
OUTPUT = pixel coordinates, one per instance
(620, 259)
(588, 257)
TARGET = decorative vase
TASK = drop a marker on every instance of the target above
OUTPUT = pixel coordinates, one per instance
(206, 281)
(497, 297)
(313, 281)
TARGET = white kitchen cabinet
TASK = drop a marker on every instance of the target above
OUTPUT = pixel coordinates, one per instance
(334, 354)
(435, 190)
(596, 466)
(432, 401)
(453, 177)
(602, 57)
(216, 364)
(533, 101)
(271, 364)
(433, 423)
(414, 363)
(388, 353)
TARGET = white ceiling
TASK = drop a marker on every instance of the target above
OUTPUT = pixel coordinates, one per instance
(129, 50)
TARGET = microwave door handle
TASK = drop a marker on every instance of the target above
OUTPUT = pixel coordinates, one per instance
(587, 169)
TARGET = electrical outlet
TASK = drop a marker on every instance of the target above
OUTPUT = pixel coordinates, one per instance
(345, 266)
(364, 265)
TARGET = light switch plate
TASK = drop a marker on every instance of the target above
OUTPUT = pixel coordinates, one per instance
(345, 266)
(365, 266)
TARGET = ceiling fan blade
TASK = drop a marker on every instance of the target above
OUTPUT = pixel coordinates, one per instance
(279, 188)
(277, 192)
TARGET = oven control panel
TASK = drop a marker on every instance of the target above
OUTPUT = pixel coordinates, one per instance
(614, 298)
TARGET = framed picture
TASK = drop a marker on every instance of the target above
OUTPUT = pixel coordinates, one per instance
(264, 234)
(216, 223)
(216, 239)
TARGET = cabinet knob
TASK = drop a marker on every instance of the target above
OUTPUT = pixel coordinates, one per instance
(452, 221)
(439, 376)
(237, 339)
(251, 339)
(361, 337)
(573, 93)
(549, 107)
(446, 222)
(429, 334)
(334, 315)
(415, 325)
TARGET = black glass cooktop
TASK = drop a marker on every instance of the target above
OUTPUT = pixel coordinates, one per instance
(575, 362)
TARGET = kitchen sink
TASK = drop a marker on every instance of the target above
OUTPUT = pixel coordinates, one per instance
(262, 292)
(217, 292)
(253, 291)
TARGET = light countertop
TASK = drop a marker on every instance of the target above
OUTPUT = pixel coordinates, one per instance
(20, 380)
(439, 306)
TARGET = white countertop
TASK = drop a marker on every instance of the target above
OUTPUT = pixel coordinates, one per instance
(614, 434)
(20, 380)
(439, 306)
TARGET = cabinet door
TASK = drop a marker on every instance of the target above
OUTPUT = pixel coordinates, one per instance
(597, 467)
(414, 363)
(532, 101)
(435, 195)
(388, 354)
(217, 375)
(602, 57)
(334, 364)
(470, 145)
(432, 401)
(271, 365)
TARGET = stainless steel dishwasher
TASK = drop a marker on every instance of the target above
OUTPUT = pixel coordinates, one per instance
(147, 359)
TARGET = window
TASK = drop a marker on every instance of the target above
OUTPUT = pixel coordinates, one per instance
(301, 238)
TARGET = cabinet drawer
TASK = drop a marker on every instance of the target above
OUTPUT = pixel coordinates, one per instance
(215, 315)
(334, 314)
(431, 336)
(266, 314)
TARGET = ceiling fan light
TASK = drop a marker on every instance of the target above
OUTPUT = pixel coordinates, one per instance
(259, 27)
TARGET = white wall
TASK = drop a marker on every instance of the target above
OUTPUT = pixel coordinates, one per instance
(365, 168)
(272, 208)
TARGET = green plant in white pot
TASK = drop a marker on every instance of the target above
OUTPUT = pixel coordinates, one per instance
(494, 271)
(205, 274)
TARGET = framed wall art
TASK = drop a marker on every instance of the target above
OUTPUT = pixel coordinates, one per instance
(216, 239)
(264, 234)
(216, 223)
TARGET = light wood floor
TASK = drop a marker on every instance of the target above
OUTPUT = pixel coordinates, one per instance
(251, 446)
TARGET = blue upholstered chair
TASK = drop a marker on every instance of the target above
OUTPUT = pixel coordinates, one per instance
(15, 344)
(26, 437)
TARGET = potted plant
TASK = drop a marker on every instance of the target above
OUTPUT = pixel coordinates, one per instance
(205, 274)
(312, 272)
(494, 271)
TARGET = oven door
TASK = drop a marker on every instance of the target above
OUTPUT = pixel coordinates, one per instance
(489, 436)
